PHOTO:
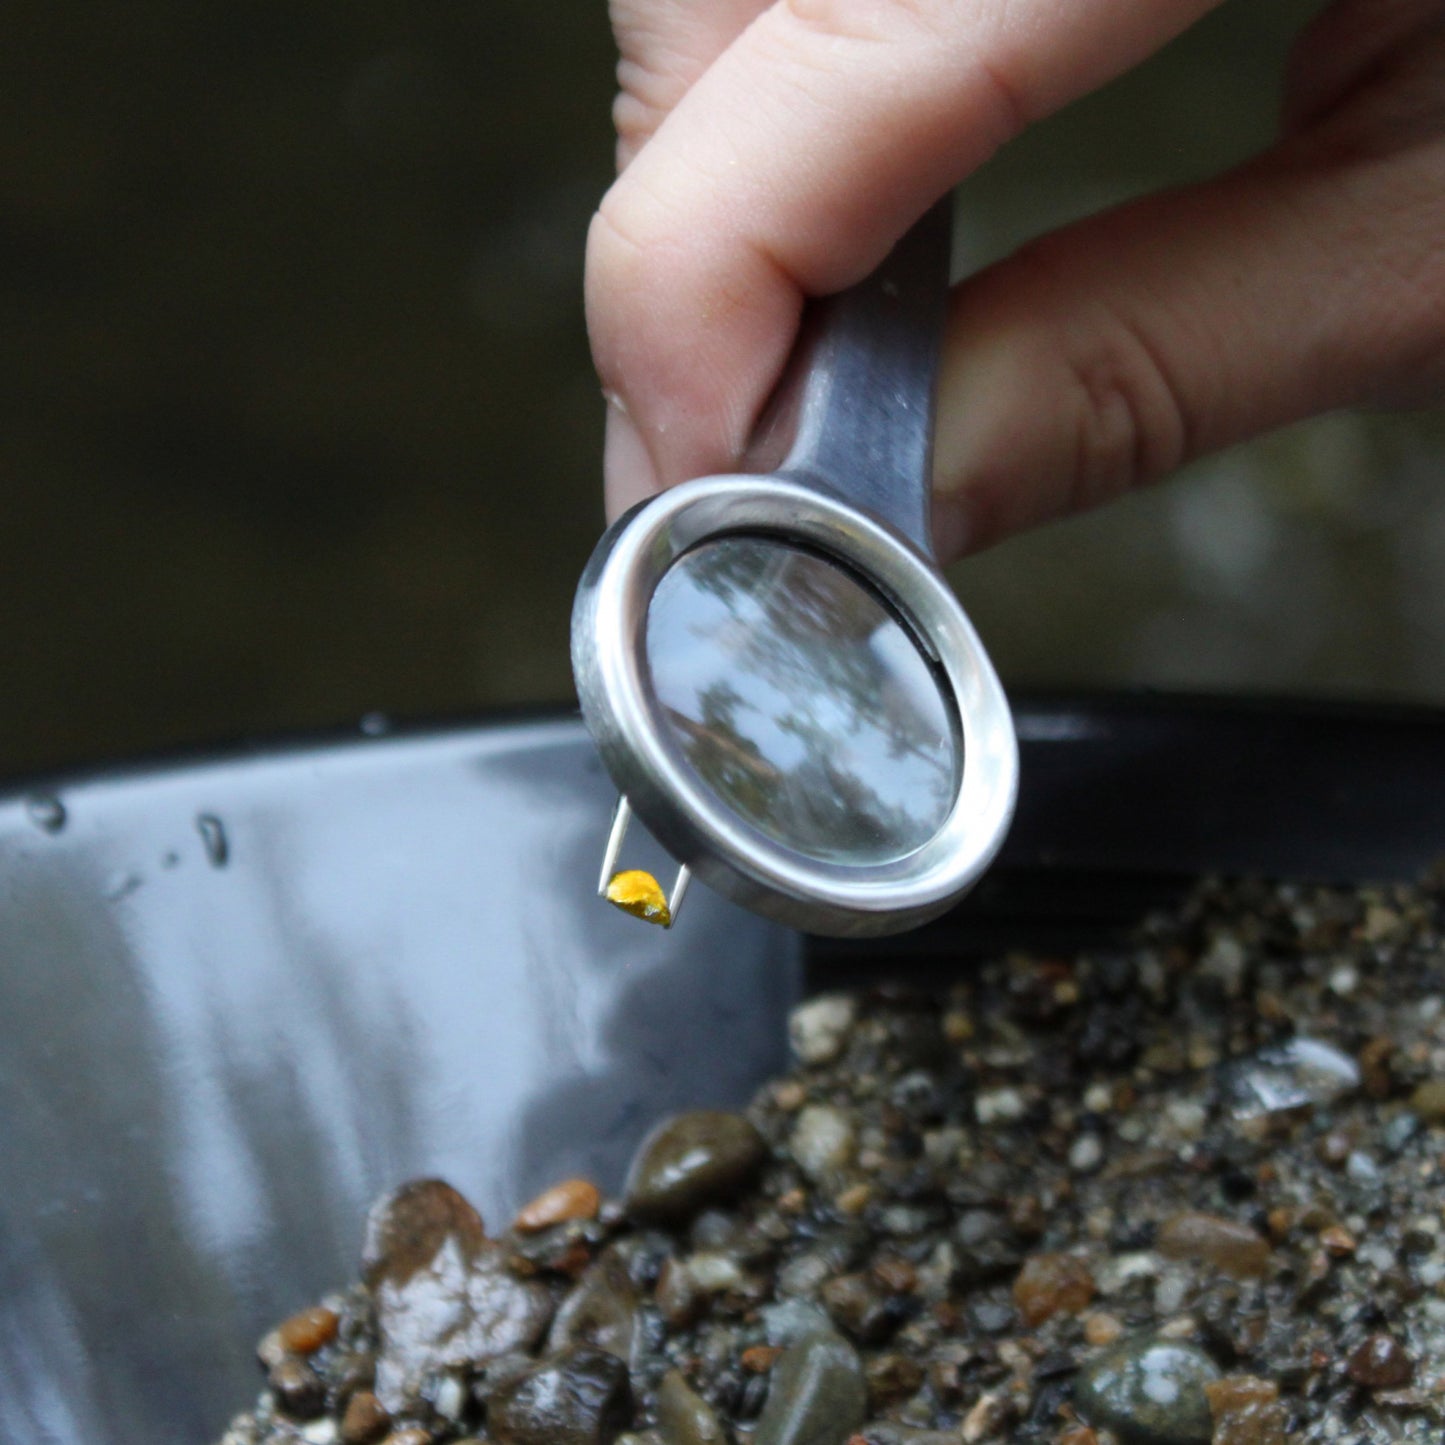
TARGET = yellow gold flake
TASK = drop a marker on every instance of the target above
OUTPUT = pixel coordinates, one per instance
(637, 892)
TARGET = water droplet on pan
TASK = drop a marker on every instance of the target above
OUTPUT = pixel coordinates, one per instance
(213, 836)
(47, 813)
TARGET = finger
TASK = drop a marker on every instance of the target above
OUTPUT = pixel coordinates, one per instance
(665, 45)
(1113, 352)
(792, 165)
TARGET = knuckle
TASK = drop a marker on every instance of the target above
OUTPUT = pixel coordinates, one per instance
(861, 20)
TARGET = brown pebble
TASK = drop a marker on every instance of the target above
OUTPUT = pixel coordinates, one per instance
(759, 1359)
(854, 1199)
(1338, 1241)
(1026, 1216)
(1381, 1363)
(571, 1199)
(299, 1390)
(1101, 1328)
(1234, 1392)
(366, 1419)
(1246, 1411)
(1280, 1221)
(790, 1096)
(1428, 1101)
(409, 1435)
(307, 1330)
(792, 1201)
(1374, 1061)
(406, 1228)
(894, 1273)
(1079, 1435)
(1051, 1284)
(1232, 1248)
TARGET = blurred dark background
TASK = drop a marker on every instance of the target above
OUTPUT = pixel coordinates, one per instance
(297, 421)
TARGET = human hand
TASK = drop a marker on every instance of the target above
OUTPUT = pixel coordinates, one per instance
(773, 151)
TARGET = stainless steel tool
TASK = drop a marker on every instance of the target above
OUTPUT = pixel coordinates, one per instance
(782, 685)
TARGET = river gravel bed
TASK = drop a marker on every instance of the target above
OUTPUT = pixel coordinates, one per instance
(1185, 1191)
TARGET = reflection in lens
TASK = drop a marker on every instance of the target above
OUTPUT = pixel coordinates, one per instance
(801, 701)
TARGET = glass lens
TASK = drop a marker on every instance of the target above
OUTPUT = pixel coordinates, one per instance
(801, 701)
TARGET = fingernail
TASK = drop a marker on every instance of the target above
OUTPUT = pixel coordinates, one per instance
(627, 470)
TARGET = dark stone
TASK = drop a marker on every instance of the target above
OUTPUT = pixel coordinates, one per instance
(817, 1397)
(299, 1390)
(691, 1161)
(683, 1416)
(580, 1397)
(859, 1306)
(1381, 1363)
(406, 1228)
(1150, 1392)
(600, 1311)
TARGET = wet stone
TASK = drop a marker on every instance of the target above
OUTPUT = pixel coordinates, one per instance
(690, 1161)
(1051, 1284)
(601, 1311)
(818, 1029)
(1234, 1249)
(1150, 1392)
(861, 1308)
(1302, 1071)
(818, 1395)
(299, 1390)
(822, 1141)
(683, 1416)
(580, 1397)
(306, 1331)
(366, 1419)
(443, 1293)
(572, 1199)
(1381, 1362)
(1246, 1411)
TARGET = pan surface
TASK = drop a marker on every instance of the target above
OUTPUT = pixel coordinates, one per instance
(240, 998)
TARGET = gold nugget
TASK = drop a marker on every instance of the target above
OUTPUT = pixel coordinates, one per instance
(637, 892)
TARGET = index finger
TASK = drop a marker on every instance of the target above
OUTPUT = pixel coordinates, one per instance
(789, 169)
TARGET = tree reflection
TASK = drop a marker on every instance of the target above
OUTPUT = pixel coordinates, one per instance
(801, 700)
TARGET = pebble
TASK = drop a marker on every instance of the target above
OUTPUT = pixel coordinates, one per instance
(1232, 1248)
(299, 1389)
(1428, 1101)
(1246, 1411)
(861, 1308)
(444, 1297)
(601, 1310)
(366, 1419)
(1381, 1362)
(683, 1416)
(818, 1395)
(580, 1397)
(1299, 1072)
(1086, 1153)
(1051, 1284)
(819, 1028)
(1000, 1106)
(572, 1199)
(690, 1161)
(305, 1332)
(822, 1141)
(1150, 1392)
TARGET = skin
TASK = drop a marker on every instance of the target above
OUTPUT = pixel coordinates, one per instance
(768, 152)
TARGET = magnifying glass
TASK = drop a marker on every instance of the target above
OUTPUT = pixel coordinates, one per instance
(781, 684)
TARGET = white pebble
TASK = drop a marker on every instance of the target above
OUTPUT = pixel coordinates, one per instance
(999, 1106)
(1098, 1098)
(1187, 1117)
(819, 1028)
(451, 1399)
(1362, 1168)
(1086, 1154)
(319, 1432)
(822, 1141)
(713, 1273)
(1344, 980)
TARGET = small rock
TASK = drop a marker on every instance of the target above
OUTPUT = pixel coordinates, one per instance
(819, 1028)
(406, 1228)
(299, 1390)
(1246, 1411)
(818, 1395)
(862, 1308)
(1150, 1392)
(1428, 1101)
(1086, 1153)
(1234, 1249)
(999, 1106)
(579, 1397)
(990, 1413)
(690, 1161)
(683, 1416)
(1101, 1329)
(1291, 1075)
(1051, 1284)
(822, 1141)
(444, 1297)
(366, 1419)
(1381, 1363)
(572, 1199)
(601, 1310)
(305, 1332)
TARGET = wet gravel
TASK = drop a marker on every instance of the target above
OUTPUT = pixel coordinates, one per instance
(1182, 1192)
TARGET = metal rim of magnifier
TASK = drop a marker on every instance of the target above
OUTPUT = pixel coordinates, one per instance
(609, 636)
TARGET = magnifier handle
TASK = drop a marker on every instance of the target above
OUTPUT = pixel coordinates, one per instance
(858, 399)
